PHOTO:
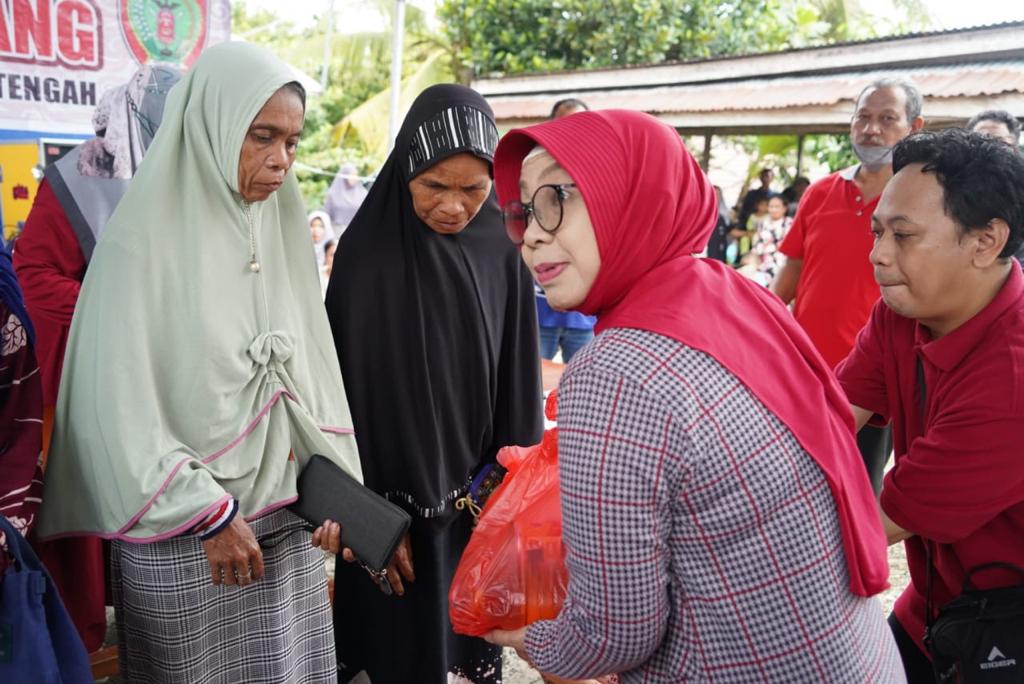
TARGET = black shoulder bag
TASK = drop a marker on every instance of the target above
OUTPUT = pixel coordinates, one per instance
(978, 637)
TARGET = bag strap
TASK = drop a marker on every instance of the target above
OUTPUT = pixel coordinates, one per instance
(922, 404)
(929, 605)
(998, 565)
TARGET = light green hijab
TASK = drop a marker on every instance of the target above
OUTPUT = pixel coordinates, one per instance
(190, 379)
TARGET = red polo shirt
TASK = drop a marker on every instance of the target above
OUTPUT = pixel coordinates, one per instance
(832, 234)
(959, 474)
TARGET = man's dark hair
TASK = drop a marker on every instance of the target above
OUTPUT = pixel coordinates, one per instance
(998, 116)
(802, 180)
(568, 102)
(913, 95)
(981, 178)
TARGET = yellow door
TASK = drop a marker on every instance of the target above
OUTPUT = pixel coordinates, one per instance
(18, 184)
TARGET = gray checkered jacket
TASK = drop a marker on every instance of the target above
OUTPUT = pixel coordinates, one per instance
(703, 542)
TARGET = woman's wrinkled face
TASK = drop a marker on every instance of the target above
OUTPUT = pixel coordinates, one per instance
(316, 229)
(565, 263)
(448, 195)
(268, 150)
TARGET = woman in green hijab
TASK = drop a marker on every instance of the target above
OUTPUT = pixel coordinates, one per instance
(200, 377)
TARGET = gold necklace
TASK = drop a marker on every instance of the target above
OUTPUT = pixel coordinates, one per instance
(254, 265)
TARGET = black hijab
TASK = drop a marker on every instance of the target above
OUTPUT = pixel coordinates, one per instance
(436, 334)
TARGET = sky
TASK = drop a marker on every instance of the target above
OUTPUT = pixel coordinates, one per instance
(357, 16)
(949, 14)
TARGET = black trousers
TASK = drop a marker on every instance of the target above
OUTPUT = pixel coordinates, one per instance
(915, 663)
(409, 639)
(875, 445)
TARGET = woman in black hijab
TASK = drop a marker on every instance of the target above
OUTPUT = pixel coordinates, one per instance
(434, 322)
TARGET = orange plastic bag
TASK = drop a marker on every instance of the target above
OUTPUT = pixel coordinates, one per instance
(513, 570)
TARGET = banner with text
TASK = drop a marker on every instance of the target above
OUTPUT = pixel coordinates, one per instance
(58, 57)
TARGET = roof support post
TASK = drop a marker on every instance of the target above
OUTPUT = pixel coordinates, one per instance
(397, 35)
(800, 154)
(705, 157)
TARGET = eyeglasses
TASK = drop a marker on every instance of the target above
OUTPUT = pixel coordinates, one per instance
(545, 207)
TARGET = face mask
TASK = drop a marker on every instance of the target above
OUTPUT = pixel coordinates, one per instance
(873, 158)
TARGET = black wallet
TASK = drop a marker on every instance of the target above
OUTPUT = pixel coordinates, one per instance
(371, 525)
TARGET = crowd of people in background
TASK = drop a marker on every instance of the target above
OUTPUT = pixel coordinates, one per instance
(344, 197)
(725, 423)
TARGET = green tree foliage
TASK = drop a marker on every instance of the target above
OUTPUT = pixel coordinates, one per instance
(359, 68)
(368, 123)
(515, 36)
(505, 37)
(257, 26)
(847, 20)
(828, 150)
(494, 37)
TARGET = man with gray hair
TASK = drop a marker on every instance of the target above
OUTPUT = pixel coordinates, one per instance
(828, 272)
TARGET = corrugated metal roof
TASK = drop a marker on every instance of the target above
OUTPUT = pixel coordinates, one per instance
(948, 81)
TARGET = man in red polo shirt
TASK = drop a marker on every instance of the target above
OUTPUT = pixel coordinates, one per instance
(941, 359)
(827, 269)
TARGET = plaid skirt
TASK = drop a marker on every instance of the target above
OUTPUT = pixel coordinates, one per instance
(175, 626)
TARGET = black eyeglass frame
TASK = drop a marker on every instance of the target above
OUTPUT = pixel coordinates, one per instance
(527, 209)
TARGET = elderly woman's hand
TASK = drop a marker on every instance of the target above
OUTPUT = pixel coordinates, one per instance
(401, 566)
(328, 537)
(234, 555)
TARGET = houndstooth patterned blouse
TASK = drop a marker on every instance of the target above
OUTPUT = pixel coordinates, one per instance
(703, 543)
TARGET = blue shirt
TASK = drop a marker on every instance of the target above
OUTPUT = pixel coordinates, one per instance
(549, 318)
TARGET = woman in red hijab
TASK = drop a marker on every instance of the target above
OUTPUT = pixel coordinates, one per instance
(717, 516)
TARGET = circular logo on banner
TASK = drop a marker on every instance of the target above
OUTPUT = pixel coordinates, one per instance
(172, 31)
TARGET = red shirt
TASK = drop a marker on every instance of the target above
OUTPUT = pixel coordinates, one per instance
(832, 234)
(50, 268)
(959, 476)
(21, 429)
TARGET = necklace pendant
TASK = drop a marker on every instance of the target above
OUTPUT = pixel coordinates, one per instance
(254, 266)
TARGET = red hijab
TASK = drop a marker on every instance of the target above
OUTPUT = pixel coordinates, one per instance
(652, 208)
